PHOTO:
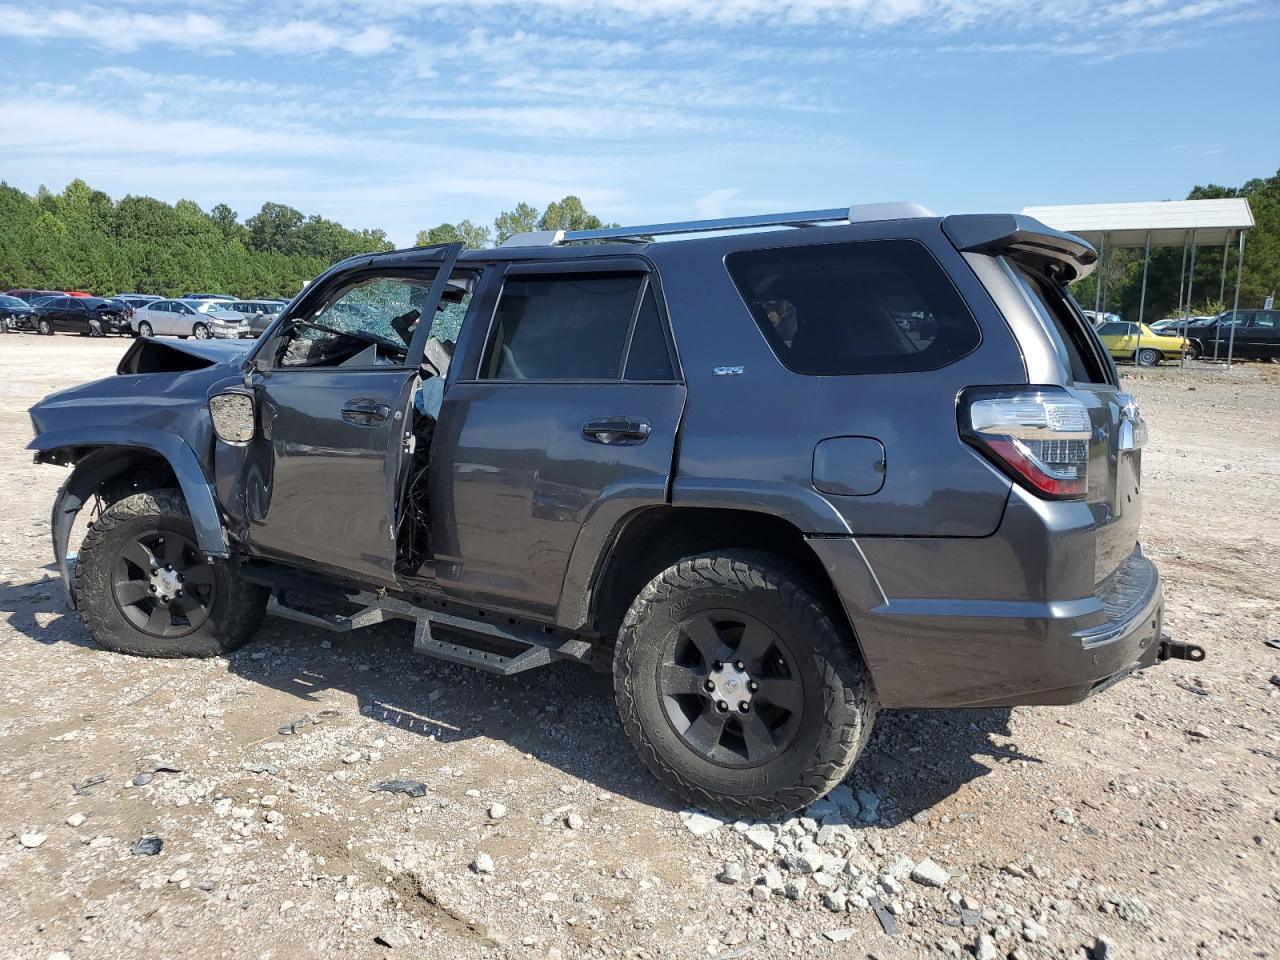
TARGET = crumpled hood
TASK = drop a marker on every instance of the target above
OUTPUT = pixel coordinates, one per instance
(151, 355)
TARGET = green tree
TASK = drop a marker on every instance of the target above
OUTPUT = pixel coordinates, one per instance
(568, 214)
(473, 235)
(523, 219)
(275, 227)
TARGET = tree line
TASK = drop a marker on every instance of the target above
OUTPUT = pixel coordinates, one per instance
(80, 239)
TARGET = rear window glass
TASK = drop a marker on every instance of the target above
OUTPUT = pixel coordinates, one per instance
(877, 306)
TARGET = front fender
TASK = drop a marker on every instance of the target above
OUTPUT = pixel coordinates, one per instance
(110, 456)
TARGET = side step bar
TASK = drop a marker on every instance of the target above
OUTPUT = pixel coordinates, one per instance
(504, 648)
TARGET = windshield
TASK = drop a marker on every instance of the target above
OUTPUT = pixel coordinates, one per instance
(11, 302)
(212, 306)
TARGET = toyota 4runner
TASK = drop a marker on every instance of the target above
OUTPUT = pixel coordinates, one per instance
(773, 472)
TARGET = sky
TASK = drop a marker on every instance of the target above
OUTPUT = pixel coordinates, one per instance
(406, 114)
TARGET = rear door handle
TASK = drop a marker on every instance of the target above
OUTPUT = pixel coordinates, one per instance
(616, 431)
(365, 413)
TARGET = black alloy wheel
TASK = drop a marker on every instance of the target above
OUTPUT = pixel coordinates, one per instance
(162, 584)
(730, 688)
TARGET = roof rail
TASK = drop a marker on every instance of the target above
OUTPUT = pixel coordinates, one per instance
(801, 218)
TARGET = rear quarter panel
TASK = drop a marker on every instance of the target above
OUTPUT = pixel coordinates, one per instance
(748, 440)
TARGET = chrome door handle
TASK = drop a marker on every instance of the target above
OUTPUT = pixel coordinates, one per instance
(616, 431)
(365, 413)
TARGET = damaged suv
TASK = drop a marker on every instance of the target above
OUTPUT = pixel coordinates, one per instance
(772, 472)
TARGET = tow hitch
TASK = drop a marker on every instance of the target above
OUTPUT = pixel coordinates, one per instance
(1171, 649)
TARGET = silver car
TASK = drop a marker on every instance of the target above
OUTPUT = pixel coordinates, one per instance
(201, 319)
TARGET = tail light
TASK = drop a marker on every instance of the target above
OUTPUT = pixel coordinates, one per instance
(1037, 435)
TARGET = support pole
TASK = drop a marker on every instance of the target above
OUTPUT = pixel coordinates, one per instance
(1182, 276)
(1097, 287)
(1142, 297)
(1235, 307)
(1222, 282)
(1191, 282)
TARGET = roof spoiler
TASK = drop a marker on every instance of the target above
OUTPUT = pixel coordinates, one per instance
(1063, 256)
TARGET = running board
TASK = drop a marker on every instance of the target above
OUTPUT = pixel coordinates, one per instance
(504, 648)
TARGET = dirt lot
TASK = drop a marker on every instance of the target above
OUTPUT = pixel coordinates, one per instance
(1149, 816)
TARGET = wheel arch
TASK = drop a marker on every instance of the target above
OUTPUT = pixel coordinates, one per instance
(118, 467)
(649, 540)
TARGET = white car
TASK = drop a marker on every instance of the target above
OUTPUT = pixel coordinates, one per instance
(201, 319)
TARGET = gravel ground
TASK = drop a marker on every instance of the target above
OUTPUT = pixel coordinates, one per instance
(228, 810)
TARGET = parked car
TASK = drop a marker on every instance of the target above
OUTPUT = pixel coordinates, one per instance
(1257, 335)
(201, 319)
(89, 316)
(1097, 318)
(1140, 343)
(1175, 324)
(32, 295)
(16, 314)
(258, 314)
(717, 468)
(135, 300)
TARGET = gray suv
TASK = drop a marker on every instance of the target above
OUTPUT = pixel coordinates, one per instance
(772, 473)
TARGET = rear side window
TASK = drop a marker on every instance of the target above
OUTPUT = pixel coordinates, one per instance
(877, 306)
(648, 357)
(1072, 336)
(563, 327)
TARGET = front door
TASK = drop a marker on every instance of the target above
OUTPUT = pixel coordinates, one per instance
(571, 401)
(335, 389)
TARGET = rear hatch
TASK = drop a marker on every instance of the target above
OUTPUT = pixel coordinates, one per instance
(1042, 261)
(1114, 489)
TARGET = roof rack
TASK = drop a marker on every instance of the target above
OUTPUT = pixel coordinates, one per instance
(859, 213)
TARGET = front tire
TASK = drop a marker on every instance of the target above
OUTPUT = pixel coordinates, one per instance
(44, 328)
(1148, 357)
(144, 329)
(144, 587)
(1194, 350)
(739, 688)
(200, 331)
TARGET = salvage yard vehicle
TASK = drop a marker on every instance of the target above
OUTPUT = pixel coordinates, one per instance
(1140, 343)
(201, 318)
(708, 457)
(257, 314)
(16, 314)
(1256, 335)
(87, 316)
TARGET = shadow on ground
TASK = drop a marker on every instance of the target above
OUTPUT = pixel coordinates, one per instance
(562, 715)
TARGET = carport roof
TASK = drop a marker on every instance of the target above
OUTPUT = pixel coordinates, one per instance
(1168, 221)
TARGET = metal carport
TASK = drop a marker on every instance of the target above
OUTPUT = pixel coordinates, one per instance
(1164, 223)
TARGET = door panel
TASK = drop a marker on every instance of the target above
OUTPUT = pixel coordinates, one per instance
(325, 496)
(514, 476)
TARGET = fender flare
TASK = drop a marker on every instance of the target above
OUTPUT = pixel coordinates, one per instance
(808, 511)
(112, 453)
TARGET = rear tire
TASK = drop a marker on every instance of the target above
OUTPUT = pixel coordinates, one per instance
(1148, 357)
(804, 701)
(147, 541)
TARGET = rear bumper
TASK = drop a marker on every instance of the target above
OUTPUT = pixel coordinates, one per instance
(993, 652)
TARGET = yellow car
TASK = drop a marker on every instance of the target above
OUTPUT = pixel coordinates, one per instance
(1124, 342)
